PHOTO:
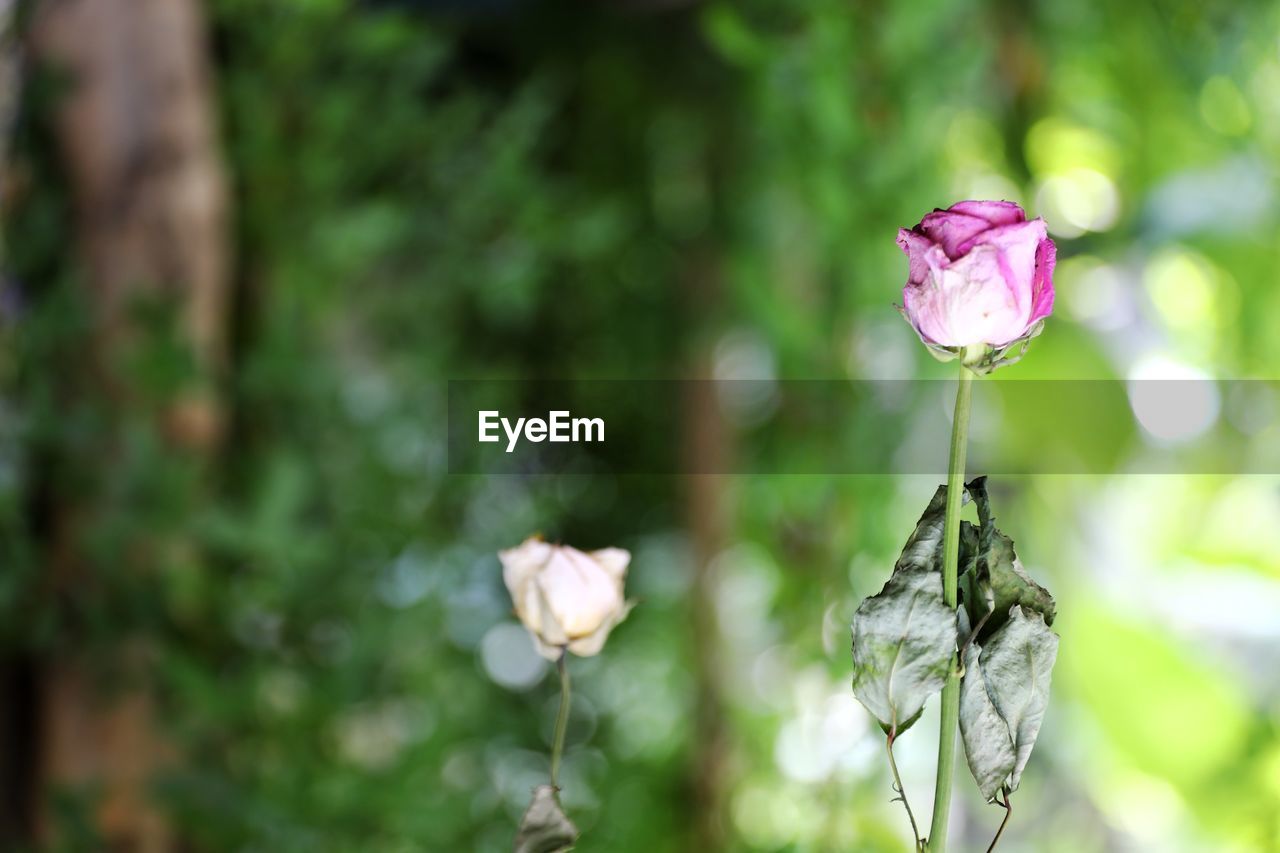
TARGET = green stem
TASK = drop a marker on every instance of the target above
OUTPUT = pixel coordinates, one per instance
(562, 720)
(950, 562)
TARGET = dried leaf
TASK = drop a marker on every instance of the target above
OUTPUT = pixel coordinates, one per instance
(924, 546)
(1004, 696)
(903, 640)
(994, 579)
(988, 746)
(545, 828)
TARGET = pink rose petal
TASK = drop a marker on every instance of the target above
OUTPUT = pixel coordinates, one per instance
(1042, 285)
(952, 230)
(995, 212)
(916, 246)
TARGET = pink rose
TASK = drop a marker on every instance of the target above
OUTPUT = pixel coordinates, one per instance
(980, 274)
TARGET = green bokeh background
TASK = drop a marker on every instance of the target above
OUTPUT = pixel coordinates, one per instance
(583, 190)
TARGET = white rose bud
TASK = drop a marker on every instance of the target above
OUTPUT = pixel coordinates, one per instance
(566, 598)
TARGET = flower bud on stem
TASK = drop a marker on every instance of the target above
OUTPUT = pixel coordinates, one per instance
(562, 719)
(950, 561)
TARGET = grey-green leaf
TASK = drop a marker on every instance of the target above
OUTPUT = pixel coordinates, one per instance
(1004, 696)
(903, 639)
(994, 578)
(924, 546)
(545, 828)
(1010, 582)
(976, 595)
(1017, 667)
(988, 746)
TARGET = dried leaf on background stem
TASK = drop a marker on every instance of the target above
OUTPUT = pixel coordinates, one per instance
(545, 828)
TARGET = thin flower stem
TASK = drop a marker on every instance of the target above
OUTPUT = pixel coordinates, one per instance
(562, 720)
(901, 791)
(950, 559)
(1008, 812)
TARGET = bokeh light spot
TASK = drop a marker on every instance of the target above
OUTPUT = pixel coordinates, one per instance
(509, 657)
(1094, 292)
(1182, 287)
(1077, 201)
(1056, 146)
(1173, 402)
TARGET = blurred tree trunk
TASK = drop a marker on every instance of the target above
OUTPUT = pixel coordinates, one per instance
(137, 136)
(15, 670)
(1019, 70)
(706, 449)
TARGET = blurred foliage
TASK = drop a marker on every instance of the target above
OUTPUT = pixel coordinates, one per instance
(557, 191)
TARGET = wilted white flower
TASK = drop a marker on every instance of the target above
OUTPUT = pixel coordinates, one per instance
(567, 599)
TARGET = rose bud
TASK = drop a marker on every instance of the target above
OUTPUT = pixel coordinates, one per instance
(566, 598)
(980, 280)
